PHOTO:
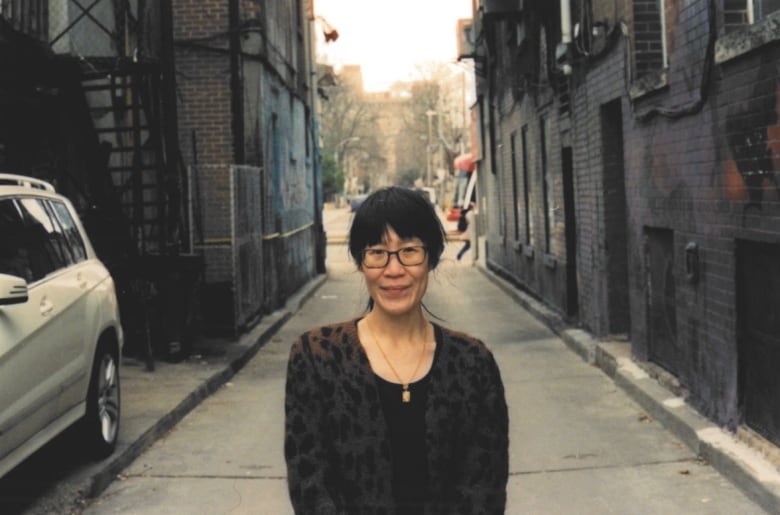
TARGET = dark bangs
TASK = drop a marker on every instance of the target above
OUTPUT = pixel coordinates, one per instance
(406, 211)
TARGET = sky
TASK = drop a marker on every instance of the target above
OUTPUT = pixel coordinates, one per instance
(389, 38)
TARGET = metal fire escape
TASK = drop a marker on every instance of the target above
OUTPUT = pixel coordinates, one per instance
(137, 184)
(134, 147)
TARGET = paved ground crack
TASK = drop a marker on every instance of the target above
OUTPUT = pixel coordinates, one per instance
(603, 467)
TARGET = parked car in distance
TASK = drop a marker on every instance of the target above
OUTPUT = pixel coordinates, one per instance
(356, 201)
(60, 332)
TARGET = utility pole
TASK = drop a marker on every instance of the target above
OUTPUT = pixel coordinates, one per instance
(430, 113)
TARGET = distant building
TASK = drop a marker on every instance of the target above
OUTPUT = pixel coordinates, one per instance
(389, 109)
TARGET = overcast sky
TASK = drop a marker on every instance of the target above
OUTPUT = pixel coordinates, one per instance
(388, 38)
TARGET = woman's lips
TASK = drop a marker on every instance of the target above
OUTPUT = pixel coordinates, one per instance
(394, 290)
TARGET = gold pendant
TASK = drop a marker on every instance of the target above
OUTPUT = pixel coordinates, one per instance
(406, 396)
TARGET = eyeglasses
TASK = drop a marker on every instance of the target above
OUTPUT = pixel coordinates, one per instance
(407, 256)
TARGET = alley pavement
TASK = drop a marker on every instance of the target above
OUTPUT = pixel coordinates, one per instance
(521, 332)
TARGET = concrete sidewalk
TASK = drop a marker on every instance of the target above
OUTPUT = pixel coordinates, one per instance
(741, 464)
(153, 402)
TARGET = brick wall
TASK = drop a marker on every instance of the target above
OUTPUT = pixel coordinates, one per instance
(711, 178)
(276, 143)
(700, 169)
(538, 266)
(648, 39)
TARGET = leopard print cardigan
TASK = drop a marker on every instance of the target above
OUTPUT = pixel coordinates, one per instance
(336, 442)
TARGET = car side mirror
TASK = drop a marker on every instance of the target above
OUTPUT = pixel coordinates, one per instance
(13, 290)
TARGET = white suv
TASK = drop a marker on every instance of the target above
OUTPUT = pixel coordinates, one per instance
(60, 333)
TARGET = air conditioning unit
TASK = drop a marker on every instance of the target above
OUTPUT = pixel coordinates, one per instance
(466, 38)
(501, 7)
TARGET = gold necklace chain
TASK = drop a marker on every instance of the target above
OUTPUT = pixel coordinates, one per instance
(406, 395)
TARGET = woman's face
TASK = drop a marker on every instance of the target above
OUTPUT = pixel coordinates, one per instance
(397, 289)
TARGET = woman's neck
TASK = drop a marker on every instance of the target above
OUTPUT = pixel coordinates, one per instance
(395, 330)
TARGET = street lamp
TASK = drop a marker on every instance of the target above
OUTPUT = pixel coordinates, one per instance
(339, 156)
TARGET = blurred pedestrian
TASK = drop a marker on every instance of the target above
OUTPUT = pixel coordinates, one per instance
(465, 223)
(391, 413)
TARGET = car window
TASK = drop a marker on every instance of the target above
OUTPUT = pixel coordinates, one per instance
(44, 240)
(14, 255)
(70, 231)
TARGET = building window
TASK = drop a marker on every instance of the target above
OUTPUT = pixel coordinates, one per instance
(763, 8)
(747, 25)
(738, 13)
(649, 36)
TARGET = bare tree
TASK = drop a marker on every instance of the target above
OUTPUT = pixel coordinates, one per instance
(348, 127)
(435, 120)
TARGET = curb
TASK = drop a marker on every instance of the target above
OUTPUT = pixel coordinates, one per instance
(253, 341)
(738, 462)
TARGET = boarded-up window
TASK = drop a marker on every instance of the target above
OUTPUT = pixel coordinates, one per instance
(649, 36)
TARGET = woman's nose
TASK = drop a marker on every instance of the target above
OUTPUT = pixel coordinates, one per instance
(394, 263)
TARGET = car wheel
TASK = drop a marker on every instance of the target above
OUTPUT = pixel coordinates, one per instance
(101, 422)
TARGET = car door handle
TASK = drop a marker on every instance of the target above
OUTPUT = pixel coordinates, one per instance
(46, 307)
(83, 283)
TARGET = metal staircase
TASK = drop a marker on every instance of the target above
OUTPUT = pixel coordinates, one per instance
(125, 107)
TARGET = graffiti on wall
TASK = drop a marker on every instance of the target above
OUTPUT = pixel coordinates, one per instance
(752, 169)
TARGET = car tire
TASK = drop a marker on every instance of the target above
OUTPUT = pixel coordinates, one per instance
(100, 425)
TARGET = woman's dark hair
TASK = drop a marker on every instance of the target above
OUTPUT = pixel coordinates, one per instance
(407, 212)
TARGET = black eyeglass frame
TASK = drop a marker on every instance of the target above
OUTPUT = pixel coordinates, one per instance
(397, 254)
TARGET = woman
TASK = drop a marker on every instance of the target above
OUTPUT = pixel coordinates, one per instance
(392, 413)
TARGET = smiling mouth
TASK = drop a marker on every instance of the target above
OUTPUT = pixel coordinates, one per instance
(394, 289)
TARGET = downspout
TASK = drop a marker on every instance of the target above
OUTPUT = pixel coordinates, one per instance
(565, 22)
(176, 176)
(236, 82)
(562, 54)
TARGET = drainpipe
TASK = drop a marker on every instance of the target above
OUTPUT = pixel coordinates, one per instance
(565, 22)
(236, 82)
(562, 49)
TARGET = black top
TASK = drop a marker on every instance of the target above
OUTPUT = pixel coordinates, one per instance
(406, 427)
(348, 468)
